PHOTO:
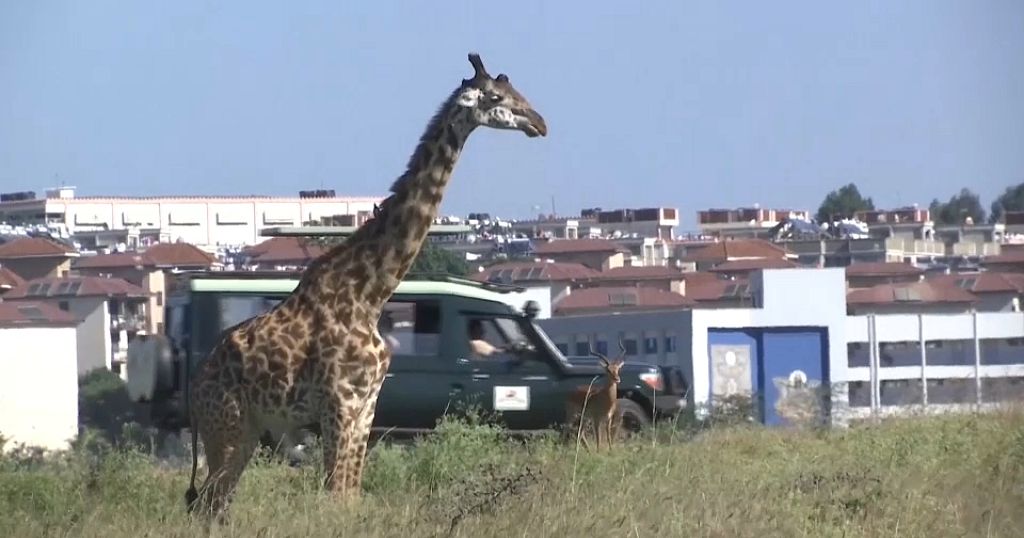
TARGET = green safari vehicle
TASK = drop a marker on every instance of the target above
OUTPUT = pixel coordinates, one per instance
(432, 371)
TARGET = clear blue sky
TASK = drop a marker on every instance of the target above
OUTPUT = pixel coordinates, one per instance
(648, 103)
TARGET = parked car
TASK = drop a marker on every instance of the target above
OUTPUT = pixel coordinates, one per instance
(432, 370)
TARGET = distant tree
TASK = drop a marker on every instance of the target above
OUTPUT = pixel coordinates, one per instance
(843, 203)
(1012, 199)
(960, 206)
(435, 259)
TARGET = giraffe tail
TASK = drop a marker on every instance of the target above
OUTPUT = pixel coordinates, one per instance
(191, 495)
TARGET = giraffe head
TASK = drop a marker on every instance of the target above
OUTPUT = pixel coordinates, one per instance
(493, 102)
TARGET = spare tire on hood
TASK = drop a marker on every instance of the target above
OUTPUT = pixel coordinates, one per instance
(150, 367)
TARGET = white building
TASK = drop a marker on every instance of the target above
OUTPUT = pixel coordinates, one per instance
(38, 383)
(207, 221)
(109, 311)
(798, 343)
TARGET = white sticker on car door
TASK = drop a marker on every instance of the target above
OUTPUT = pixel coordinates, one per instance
(511, 398)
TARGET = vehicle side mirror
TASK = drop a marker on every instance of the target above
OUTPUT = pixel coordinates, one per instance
(531, 309)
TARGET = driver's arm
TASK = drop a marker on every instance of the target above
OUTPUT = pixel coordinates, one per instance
(483, 348)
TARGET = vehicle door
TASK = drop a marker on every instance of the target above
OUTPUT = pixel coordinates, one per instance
(420, 384)
(519, 383)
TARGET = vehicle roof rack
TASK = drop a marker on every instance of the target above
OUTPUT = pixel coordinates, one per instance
(336, 231)
(417, 276)
(455, 279)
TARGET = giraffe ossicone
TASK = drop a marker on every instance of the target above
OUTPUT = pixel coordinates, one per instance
(317, 358)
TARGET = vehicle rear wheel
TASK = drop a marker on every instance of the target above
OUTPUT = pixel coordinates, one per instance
(632, 418)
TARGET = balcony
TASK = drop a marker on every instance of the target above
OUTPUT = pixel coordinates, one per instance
(915, 247)
(130, 323)
(975, 249)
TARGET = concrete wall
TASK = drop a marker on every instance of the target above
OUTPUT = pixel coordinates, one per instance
(38, 386)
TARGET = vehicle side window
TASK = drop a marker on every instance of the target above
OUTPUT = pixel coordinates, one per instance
(235, 309)
(412, 327)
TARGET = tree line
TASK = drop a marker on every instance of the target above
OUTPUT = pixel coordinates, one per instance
(845, 201)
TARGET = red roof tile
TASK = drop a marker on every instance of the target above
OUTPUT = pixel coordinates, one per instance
(158, 255)
(76, 286)
(985, 282)
(34, 313)
(870, 269)
(605, 299)
(1014, 257)
(640, 273)
(34, 247)
(9, 279)
(535, 271)
(285, 250)
(923, 292)
(753, 264)
(716, 289)
(732, 249)
(577, 246)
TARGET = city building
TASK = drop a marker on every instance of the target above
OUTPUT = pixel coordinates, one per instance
(802, 357)
(110, 312)
(36, 257)
(744, 222)
(38, 376)
(205, 221)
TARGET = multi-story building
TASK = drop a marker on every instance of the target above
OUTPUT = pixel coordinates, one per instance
(205, 221)
(747, 222)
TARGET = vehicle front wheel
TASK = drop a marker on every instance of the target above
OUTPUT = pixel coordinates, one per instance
(632, 418)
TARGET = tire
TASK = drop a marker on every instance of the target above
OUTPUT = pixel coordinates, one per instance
(150, 367)
(632, 418)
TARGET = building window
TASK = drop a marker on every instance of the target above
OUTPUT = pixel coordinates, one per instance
(650, 345)
(601, 347)
(159, 298)
(670, 344)
(630, 346)
(63, 305)
(582, 348)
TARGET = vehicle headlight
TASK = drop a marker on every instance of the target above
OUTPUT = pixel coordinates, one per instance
(653, 379)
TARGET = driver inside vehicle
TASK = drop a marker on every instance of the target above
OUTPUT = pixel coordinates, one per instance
(477, 344)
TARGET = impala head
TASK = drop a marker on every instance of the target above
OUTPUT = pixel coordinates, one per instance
(612, 367)
(493, 102)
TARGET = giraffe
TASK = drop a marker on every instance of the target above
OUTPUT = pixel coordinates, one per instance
(317, 356)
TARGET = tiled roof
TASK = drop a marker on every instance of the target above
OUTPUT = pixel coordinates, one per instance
(535, 271)
(984, 282)
(656, 272)
(923, 292)
(732, 249)
(285, 250)
(577, 246)
(32, 313)
(1015, 257)
(717, 289)
(76, 286)
(620, 298)
(34, 247)
(9, 279)
(869, 269)
(158, 255)
(753, 264)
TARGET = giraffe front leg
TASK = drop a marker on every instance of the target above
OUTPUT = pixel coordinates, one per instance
(333, 434)
(360, 438)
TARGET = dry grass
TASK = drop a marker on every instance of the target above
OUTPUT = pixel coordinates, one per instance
(933, 476)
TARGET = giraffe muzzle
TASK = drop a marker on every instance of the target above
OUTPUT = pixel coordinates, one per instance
(535, 125)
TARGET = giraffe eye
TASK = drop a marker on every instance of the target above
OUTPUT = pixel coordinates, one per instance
(495, 98)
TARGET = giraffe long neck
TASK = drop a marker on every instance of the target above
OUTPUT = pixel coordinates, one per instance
(365, 269)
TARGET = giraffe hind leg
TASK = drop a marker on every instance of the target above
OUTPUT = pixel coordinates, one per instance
(230, 442)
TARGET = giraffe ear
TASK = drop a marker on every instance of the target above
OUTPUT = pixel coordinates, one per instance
(502, 78)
